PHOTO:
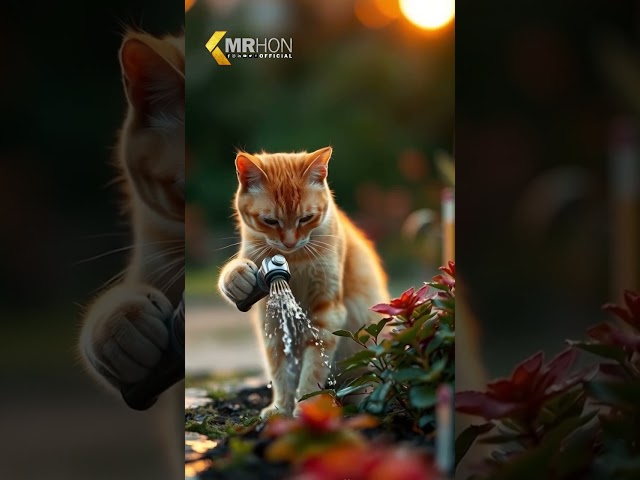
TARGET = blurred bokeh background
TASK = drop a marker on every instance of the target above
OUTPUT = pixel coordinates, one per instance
(547, 119)
(63, 235)
(372, 78)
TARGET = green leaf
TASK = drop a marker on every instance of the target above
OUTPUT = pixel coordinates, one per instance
(426, 420)
(621, 394)
(358, 384)
(436, 369)
(434, 344)
(422, 396)
(365, 379)
(313, 394)
(354, 366)
(343, 333)
(468, 436)
(376, 401)
(357, 332)
(364, 338)
(448, 335)
(439, 286)
(379, 349)
(569, 404)
(347, 390)
(409, 374)
(606, 351)
(577, 452)
(427, 328)
(358, 357)
(375, 328)
(406, 336)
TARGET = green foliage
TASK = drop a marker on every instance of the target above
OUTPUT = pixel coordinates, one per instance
(404, 365)
(213, 428)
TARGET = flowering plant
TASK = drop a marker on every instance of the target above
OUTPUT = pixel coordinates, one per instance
(552, 423)
(407, 354)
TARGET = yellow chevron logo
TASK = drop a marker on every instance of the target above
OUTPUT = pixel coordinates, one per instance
(214, 49)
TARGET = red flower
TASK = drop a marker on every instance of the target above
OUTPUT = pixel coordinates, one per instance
(321, 414)
(406, 304)
(296, 439)
(449, 277)
(362, 462)
(631, 314)
(450, 269)
(530, 385)
(607, 334)
(318, 414)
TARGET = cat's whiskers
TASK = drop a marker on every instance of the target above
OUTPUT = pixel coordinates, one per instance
(228, 246)
(104, 254)
(115, 278)
(254, 245)
(323, 249)
(169, 284)
(178, 252)
(123, 249)
(264, 250)
(158, 273)
(326, 245)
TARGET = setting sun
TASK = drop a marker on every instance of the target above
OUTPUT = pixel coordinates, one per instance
(429, 14)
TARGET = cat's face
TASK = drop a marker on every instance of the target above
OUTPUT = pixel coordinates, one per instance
(152, 143)
(282, 198)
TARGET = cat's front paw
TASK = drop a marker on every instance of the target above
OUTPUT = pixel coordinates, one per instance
(238, 279)
(274, 409)
(126, 333)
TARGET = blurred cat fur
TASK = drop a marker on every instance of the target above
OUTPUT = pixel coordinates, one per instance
(123, 334)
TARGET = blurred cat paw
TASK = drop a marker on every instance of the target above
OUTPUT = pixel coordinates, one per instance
(126, 333)
(274, 409)
(238, 279)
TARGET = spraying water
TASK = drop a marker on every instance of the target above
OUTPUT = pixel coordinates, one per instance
(286, 319)
(284, 313)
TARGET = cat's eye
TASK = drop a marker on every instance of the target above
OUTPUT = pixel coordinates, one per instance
(305, 219)
(270, 221)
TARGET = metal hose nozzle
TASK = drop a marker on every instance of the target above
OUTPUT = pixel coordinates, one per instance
(271, 268)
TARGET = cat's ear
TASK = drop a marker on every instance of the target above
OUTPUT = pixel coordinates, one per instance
(153, 75)
(317, 165)
(250, 175)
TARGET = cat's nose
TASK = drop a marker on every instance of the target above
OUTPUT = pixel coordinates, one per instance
(289, 244)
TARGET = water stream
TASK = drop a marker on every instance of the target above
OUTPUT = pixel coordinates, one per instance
(295, 328)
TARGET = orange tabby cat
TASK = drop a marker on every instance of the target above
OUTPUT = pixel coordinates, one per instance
(284, 205)
(124, 332)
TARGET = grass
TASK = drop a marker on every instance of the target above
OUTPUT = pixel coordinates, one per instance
(201, 281)
(215, 428)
